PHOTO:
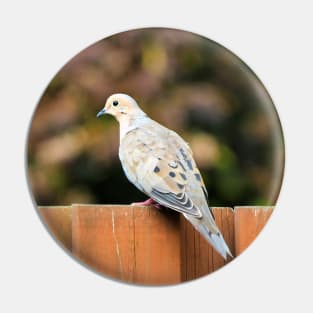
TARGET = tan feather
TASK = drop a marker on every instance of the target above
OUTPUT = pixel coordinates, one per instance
(160, 163)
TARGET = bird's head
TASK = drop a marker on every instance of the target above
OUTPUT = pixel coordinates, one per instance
(122, 107)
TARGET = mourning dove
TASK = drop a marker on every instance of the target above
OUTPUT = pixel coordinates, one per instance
(160, 164)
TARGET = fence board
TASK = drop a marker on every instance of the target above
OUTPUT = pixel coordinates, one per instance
(249, 221)
(197, 256)
(134, 244)
(58, 220)
(146, 246)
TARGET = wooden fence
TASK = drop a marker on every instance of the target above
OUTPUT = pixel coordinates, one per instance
(146, 246)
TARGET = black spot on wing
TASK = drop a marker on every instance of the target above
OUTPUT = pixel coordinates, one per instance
(182, 166)
(189, 164)
(172, 174)
(156, 169)
(183, 153)
(180, 186)
(183, 176)
(198, 177)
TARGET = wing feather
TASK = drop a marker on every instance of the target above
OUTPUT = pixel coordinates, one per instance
(162, 171)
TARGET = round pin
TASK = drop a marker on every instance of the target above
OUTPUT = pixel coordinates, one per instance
(180, 171)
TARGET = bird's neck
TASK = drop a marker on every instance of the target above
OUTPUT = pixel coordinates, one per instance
(129, 123)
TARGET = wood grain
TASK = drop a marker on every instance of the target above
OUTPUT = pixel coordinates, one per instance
(142, 245)
(197, 256)
(249, 221)
(129, 243)
(58, 220)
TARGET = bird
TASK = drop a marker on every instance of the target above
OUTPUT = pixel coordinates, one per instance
(161, 165)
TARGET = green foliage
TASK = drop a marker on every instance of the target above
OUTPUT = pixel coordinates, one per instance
(189, 84)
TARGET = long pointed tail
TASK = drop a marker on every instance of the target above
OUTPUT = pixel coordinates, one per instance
(215, 239)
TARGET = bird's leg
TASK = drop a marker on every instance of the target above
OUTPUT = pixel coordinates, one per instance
(149, 202)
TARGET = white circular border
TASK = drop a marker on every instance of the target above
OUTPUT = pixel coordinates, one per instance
(37, 275)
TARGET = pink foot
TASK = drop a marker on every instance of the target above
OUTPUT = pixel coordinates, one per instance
(149, 202)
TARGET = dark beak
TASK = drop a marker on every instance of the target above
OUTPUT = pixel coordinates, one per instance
(102, 112)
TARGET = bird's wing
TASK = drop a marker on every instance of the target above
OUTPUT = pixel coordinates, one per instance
(163, 167)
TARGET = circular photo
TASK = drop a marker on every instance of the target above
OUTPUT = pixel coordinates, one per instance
(155, 156)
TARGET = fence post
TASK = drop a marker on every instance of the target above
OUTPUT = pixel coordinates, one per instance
(58, 220)
(198, 258)
(131, 243)
(143, 245)
(249, 221)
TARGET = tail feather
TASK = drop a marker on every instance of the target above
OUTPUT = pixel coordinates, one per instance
(216, 240)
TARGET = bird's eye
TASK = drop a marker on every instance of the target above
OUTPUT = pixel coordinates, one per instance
(115, 103)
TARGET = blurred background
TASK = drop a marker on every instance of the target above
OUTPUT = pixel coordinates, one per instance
(185, 82)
